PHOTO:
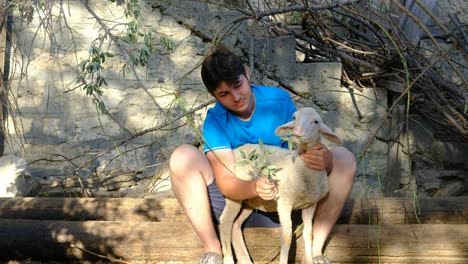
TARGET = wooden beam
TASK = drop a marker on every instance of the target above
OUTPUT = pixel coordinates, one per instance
(447, 210)
(411, 28)
(63, 240)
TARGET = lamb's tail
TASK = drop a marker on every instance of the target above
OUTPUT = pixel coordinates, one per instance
(10, 168)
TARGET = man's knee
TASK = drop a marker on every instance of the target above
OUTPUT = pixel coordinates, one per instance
(344, 162)
(183, 151)
(188, 161)
(181, 157)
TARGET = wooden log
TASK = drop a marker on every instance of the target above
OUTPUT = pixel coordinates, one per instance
(80, 209)
(447, 210)
(63, 240)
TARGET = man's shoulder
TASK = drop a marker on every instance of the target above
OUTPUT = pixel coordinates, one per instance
(217, 110)
(270, 92)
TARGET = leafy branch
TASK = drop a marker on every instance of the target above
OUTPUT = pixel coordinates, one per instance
(92, 68)
(294, 141)
(259, 162)
(143, 42)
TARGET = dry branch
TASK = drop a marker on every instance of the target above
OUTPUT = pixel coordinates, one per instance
(373, 49)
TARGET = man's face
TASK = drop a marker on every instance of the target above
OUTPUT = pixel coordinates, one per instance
(237, 98)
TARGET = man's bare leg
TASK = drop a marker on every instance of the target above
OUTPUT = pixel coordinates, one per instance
(340, 182)
(191, 173)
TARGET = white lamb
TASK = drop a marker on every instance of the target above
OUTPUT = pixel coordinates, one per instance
(298, 187)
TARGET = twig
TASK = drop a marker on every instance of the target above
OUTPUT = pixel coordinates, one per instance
(464, 41)
(99, 255)
(423, 27)
(363, 22)
(350, 48)
(398, 100)
(153, 129)
(344, 56)
(293, 8)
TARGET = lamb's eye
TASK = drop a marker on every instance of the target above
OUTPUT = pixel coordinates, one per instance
(315, 121)
(294, 117)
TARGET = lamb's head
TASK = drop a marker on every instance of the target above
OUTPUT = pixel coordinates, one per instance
(307, 126)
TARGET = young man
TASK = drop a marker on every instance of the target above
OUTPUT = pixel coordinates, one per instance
(244, 114)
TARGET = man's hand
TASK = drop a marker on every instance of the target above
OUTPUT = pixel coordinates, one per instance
(318, 157)
(265, 189)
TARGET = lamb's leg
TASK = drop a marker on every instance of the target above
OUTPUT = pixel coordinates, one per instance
(307, 216)
(227, 218)
(238, 241)
(284, 211)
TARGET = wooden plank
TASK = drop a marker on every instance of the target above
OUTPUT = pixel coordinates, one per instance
(409, 27)
(48, 240)
(447, 210)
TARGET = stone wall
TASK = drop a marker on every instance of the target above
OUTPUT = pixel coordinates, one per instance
(56, 126)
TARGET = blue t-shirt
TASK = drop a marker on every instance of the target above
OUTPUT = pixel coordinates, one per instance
(224, 130)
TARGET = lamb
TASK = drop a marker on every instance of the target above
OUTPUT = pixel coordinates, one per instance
(13, 181)
(297, 186)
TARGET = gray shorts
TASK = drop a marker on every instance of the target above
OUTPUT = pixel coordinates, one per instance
(256, 219)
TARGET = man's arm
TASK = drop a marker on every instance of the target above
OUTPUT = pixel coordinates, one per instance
(223, 161)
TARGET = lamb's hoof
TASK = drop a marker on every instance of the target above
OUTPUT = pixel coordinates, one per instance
(321, 260)
(211, 258)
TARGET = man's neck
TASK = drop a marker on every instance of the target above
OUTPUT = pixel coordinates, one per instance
(248, 115)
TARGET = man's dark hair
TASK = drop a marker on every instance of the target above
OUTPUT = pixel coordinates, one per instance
(221, 65)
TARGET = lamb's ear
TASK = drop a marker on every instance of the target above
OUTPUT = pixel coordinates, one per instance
(286, 129)
(328, 133)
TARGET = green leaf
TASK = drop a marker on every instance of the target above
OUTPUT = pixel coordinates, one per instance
(101, 106)
(243, 163)
(252, 155)
(99, 81)
(98, 91)
(82, 65)
(89, 89)
(242, 153)
(168, 43)
(290, 145)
